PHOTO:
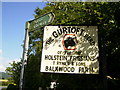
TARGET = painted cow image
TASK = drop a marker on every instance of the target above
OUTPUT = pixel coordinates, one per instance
(69, 42)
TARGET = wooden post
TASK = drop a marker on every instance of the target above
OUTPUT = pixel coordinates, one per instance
(104, 62)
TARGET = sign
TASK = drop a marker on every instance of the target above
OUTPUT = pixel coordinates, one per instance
(41, 21)
(70, 49)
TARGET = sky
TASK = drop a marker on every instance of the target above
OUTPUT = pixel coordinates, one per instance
(14, 16)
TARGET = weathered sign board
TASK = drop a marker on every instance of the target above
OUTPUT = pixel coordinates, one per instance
(70, 49)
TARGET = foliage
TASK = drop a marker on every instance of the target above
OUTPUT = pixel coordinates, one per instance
(12, 87)
(14, 71)
(4, 84)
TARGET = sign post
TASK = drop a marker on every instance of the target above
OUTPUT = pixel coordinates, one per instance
(31, 26)
(24, 57)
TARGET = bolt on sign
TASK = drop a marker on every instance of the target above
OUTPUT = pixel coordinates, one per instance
(70, 49)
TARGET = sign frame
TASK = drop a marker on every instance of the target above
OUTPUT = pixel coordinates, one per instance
(85, 36)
